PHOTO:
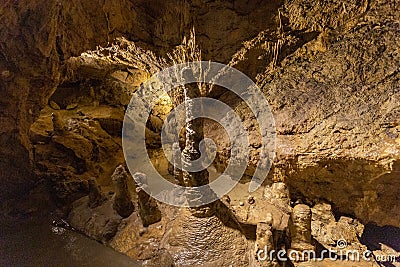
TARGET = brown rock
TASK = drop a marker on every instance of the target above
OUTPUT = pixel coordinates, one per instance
(264, 242)
(278, 195)
(54, 105)
(300, 228)
(58, 127)
(148, 208)
(122, 199)
(96, 198)
(100, 223)
(71, 106)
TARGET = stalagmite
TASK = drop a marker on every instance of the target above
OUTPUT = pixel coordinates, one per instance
(122, 198)
(300, 228)
(148, 208)
(57, 125)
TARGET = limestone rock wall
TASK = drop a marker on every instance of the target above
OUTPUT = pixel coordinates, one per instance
(335, 100)
(36, 37)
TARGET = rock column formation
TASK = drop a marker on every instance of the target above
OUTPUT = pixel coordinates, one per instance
(191, 152)
(300, 228)
(57, 124)
(122, 199)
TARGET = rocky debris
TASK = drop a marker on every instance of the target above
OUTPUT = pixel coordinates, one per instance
(148, 208)
(79, 150)
(322, 216)
(328, 232)
(331, 125)
(348, 229)
(122, 201)
(162, 258)
(96, 197)
(100, 223)
(300, 228)
(278, 195)
(342, 236)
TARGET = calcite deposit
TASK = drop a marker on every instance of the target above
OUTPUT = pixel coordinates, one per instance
(328, 69)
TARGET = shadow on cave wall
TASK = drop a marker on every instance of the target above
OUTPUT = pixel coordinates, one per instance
(375, 236)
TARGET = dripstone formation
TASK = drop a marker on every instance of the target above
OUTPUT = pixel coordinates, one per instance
(191, 152)
(300, 228)
(148, 208)
(122, 199)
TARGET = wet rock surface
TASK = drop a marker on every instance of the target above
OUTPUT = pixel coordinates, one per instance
(46, 244)
(225, 246)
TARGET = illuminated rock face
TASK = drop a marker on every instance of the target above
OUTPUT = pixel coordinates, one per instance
(43, 35)
(325, 119)
(278, 195)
